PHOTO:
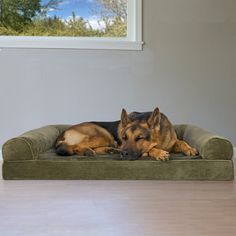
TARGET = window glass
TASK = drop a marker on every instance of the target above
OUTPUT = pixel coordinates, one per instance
(69, 18)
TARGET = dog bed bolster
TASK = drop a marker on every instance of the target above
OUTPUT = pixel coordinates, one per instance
(30, 144)
(209, 145)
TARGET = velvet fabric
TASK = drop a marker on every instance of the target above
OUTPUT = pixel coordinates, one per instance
(31, 156)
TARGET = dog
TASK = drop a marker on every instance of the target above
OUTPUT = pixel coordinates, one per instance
(135, 135)
(150, 134)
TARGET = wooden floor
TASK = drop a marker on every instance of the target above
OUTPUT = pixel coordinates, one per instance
(117, 208)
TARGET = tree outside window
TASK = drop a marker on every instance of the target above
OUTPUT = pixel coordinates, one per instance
(73, 18)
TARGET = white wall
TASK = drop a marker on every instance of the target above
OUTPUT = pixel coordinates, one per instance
(187, 68)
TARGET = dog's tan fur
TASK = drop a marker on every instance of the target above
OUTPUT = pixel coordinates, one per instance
(86, 139)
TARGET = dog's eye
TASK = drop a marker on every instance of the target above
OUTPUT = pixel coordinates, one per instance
(124, 137)
(139, 138)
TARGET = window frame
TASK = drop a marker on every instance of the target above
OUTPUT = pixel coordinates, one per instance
(133, 41)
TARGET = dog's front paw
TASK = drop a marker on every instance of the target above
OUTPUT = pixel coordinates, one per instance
(191, 152)
(89, 152)
(163, 156)
(159, 154)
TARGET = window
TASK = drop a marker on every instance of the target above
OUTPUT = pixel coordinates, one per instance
(75, 24)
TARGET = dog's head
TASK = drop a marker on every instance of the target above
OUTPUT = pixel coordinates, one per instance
(138, 132)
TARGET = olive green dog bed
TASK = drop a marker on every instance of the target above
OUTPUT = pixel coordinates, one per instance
(31, 156)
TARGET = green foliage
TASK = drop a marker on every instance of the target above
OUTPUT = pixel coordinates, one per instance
(29, 18)
(116, 28)
(44, 27)
(55, 27)
(16, 14)
(111, 8)
(7, 32)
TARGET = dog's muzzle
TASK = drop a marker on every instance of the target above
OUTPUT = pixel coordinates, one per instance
(129, 155)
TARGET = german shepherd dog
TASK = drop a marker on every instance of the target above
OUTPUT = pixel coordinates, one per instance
(147, 134)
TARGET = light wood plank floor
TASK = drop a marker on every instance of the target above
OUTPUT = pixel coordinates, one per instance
(117, 208)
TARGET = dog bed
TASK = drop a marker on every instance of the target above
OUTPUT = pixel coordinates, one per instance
(32, 156)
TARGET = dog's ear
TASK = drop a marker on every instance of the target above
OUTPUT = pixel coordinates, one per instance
(155, 118)
(125, 120)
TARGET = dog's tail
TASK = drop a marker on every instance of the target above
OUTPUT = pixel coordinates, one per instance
(62, 150)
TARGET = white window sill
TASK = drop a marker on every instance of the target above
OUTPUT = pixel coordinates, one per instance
(69, 43)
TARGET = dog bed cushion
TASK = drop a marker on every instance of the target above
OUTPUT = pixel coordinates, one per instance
(32, 156)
